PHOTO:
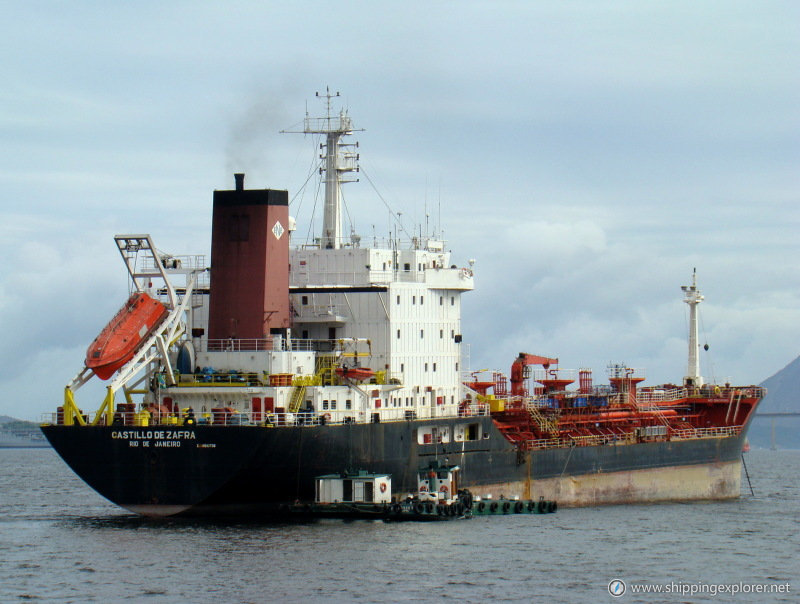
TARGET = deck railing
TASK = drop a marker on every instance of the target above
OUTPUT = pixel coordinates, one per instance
(629, 437)
(239, 345)
(665, 395)
(578, 441)
(221, 417)
(706, 432)
(276, 344)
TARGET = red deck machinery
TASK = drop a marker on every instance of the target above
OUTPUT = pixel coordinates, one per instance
(521, 370)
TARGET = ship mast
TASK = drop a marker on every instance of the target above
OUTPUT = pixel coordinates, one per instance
(339, 160)
(693, 298)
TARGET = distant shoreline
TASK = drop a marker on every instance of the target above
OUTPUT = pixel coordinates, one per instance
(21, 434)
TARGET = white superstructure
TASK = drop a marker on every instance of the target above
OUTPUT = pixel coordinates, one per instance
(406, 302)
(404, 297)
(390, 312)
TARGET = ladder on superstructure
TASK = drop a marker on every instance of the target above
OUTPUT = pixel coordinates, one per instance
(324, 375)
(325, 368)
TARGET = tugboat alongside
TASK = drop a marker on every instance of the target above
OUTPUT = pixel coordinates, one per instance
(368, 496)
(361, 495)
(278, 365)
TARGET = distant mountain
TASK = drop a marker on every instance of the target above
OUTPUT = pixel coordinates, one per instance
(783, 396)
(783, 390)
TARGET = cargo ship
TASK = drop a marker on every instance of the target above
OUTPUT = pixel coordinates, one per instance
(233, 385)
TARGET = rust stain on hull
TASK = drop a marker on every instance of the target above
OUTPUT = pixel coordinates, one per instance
(677, 483)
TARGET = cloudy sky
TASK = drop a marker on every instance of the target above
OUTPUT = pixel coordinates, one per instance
(587, 155)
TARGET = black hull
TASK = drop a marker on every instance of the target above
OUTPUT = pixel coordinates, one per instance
(213, 470)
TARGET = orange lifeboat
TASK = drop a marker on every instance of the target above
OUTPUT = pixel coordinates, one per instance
(358, 374)
(124, 334)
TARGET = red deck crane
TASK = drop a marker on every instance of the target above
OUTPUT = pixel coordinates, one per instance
(520, 370)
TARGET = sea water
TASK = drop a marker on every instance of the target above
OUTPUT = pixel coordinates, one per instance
(61, 542)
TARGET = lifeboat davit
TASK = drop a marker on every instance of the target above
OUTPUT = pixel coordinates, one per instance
(124, 334)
